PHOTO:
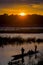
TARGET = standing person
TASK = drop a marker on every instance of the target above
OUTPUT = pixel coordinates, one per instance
(22, 50)
(35, 48)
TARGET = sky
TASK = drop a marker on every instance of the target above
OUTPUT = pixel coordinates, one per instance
(18, 6)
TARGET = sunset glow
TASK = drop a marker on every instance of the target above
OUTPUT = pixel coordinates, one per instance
(22, 10)
(22, 14)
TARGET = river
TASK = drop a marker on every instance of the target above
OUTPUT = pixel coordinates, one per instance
(7, 51)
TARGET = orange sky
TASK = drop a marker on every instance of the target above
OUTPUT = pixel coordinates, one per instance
(17, 9)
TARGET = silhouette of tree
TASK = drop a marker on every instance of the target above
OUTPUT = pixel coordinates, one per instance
(18, 40)
(14, 20)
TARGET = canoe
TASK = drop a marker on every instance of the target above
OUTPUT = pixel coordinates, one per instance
(23, 55)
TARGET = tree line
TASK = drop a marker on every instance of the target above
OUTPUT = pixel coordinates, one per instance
(18, 40)
(19, 21)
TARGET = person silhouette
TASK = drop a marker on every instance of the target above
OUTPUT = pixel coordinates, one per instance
(35, 48)
(22, 50)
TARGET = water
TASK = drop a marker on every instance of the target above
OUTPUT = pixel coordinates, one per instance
(7, 51)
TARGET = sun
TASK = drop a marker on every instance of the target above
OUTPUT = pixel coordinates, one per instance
(22, 14)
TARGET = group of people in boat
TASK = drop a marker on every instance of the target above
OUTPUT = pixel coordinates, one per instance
(30, 52)
(22, 50)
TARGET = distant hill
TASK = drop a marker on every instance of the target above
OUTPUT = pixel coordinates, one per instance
(21, 21)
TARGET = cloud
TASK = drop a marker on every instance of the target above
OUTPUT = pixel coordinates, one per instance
(30, 6)
(37, 6)
(21, 1)
(29, 9)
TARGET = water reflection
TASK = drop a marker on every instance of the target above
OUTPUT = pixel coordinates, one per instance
(8, 51)
(18, 62)
(22, 62)
(13, 48)
(21, 56)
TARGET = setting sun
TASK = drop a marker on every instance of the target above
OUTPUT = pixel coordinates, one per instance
(22, 14)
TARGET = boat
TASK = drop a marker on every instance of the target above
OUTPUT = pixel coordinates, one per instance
(15, 57)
